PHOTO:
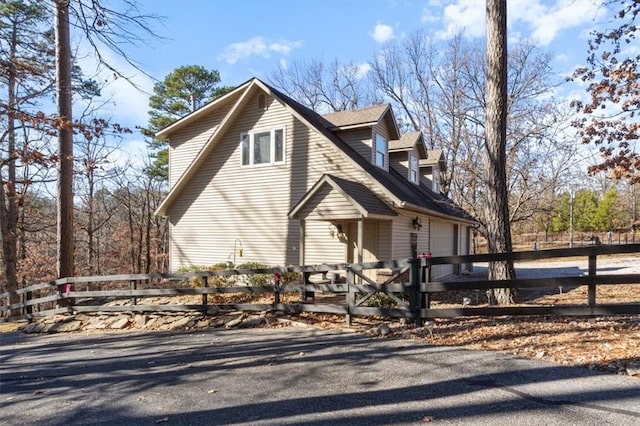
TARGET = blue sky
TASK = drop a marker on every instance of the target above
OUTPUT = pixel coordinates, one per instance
(244, 38)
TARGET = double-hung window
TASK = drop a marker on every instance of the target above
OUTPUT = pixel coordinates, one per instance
(380, 150)
(413, 168)
(263, 147)
(436, 180)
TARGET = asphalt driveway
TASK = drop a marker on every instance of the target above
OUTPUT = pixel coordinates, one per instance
(292, 376)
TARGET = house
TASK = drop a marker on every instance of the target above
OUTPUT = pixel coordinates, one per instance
(254, 176)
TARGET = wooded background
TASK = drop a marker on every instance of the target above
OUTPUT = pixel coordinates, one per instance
(435, 86)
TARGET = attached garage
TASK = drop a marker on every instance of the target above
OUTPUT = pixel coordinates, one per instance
(443, 243)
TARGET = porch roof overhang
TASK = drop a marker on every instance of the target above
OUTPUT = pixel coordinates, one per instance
(326, 201)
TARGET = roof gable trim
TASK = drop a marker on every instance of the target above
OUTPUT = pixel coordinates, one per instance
(202, 154)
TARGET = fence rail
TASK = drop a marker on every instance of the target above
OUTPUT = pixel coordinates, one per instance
(408, 289)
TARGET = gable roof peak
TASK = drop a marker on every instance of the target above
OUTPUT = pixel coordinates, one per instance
(205, 109)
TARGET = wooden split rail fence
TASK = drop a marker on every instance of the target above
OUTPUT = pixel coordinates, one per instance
(409, 289)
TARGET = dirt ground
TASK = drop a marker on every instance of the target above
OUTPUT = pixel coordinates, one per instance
(609, 344)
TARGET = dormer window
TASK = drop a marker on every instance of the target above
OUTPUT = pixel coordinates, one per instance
(380, 150)
(436, 180)
(413, 169)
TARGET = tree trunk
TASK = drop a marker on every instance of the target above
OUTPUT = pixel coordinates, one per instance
(65, 235)
(497, 213)
(8, 190)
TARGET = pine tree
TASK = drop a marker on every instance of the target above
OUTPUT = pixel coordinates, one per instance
(182, 91)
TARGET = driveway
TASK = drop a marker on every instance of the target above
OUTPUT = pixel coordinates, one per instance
(292, 376)
(628, 264)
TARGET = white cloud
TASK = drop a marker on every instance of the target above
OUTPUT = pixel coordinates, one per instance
(125, 98)
(132, 152)
(547, 22)
(467, 16)
(382, 33)
(363, 69)
(257, 46)
(539, 20)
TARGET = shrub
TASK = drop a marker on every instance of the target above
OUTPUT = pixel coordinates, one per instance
(256, 280)
(382, 300)
(291, 277)
(214, 281)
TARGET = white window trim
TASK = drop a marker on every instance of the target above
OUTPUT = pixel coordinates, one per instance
(436, 179)
(375, 151)
(272, 150)
(414, 169)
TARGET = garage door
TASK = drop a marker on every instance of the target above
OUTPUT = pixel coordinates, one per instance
(442, 244)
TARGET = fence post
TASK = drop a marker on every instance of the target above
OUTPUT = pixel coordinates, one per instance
(133, 285)
(26, 311)
(276, 288)
(426, 278)
(62, 302)
(415, 297)
(591, 292)
(351, 295)
(205, 298)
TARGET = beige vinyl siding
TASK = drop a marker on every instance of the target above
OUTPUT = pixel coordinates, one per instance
(384, 240)
(402, 230)
(426, 178)
(322, 246)
(399, 161)
(225, 201)
(442, 244)
(328, 203)
(359, 140)
(185, 144)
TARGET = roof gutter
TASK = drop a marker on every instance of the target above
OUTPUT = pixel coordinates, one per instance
(417, 209)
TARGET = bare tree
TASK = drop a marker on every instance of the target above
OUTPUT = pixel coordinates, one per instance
(102, 27)
(25, 68)
(325, 88)
(94, 166)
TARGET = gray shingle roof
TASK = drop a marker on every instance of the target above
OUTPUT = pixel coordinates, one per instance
(363, 196)
(357, 116)
(406, 142)
(394, 182)
(433, 156)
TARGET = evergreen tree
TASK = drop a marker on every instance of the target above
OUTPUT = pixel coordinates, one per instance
(182, 91)
(25, 65)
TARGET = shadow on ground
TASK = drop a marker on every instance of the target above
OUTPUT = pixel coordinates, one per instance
(288, 377)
